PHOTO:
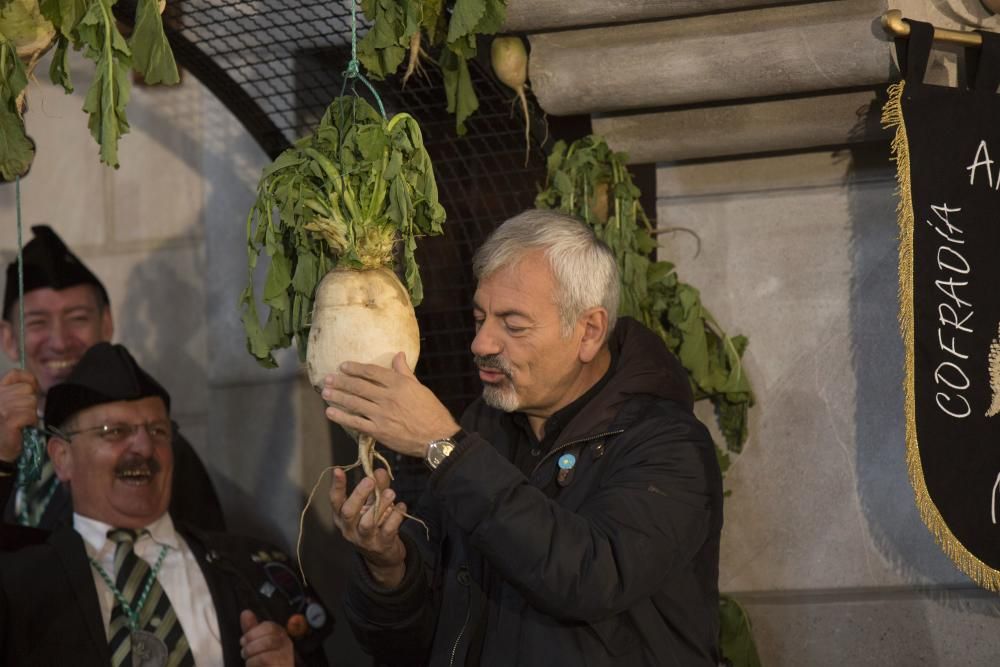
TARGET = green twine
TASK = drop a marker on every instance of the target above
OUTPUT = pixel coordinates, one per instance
(29, 464)
(353, 70)
(132, 616)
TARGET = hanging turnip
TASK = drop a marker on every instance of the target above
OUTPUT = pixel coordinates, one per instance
(334, 212)
(510, 63)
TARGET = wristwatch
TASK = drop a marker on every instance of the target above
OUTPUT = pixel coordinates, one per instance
(439, 450)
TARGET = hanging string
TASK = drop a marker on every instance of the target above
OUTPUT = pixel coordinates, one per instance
(353, 71)
(29, 465)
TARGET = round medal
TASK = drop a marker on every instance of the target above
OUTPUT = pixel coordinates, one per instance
(148, 650)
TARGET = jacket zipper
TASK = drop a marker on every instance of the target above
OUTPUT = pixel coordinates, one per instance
(454, 648)
(555, 450)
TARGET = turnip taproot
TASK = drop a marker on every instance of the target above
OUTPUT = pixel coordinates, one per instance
(510, 63)
(413, 60)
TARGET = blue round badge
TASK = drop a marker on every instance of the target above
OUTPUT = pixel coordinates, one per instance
(567, 461)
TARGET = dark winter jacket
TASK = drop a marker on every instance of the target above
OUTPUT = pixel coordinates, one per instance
(614, 562)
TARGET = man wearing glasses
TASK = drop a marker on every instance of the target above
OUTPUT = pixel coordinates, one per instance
(66, 311)
(125, 585)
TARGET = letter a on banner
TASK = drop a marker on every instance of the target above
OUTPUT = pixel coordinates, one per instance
(947, 152)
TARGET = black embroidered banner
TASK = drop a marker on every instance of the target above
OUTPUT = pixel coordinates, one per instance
(947, 149)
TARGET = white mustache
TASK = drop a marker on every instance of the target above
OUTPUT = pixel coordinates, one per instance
(493, 362)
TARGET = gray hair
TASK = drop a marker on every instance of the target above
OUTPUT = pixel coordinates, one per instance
(584, 268)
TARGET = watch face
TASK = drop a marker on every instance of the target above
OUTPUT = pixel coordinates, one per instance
(437, 451)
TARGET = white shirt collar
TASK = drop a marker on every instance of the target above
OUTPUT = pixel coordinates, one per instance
(95, 533)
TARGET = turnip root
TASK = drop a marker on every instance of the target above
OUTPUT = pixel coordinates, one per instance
(510, 63)
(362, 316)
(413, 61)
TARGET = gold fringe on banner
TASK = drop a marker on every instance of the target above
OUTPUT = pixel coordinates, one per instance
(977, 570)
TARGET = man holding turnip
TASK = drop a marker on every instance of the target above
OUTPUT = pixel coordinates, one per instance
(573, 516)
(66, 312)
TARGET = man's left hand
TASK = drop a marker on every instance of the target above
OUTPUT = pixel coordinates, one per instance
(388, 404)
(264, 644)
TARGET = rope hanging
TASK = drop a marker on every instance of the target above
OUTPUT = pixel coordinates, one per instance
(29, 464)
(353, 70)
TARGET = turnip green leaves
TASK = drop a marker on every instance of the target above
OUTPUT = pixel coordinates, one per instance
(91, 26)
(16, 150)
(588, 180)
(395, 23)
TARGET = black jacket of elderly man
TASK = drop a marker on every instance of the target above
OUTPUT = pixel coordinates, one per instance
(123, 584)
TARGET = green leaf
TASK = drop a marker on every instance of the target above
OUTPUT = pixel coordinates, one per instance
(458, 88)
(465, 16)
(412, 271)
(13, 77)
(306, 273)
(16, 150)
(150, 51)
(736, 635)
(279, 277)
(109, 92)
(64, 14)
(59, 67)
(494, 13)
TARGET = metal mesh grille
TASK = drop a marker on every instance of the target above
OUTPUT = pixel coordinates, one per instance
(277, 65)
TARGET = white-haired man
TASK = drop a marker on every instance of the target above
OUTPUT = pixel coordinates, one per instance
(574, 515)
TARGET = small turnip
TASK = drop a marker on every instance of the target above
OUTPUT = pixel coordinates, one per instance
(413, 61)
(510, 64)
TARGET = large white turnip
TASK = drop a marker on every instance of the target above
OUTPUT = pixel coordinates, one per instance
(363, 316)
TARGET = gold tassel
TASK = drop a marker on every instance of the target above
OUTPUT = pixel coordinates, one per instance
(977, 570)
(993, 359)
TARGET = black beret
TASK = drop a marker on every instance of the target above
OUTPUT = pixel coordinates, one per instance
(106, 373)
(48, 263)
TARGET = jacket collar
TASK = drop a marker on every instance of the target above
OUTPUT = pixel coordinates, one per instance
(69, 547)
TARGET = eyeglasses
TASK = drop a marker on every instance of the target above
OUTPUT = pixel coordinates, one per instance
(160, 431)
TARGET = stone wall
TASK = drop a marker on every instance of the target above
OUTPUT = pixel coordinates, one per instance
(822, 541)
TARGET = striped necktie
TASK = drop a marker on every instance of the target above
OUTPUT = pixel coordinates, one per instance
(156, 615)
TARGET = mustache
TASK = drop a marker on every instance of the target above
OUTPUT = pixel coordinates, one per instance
(138, 464)
(493, 362)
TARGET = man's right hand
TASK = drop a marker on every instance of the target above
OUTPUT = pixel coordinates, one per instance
(18, 408)
(378, 540)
